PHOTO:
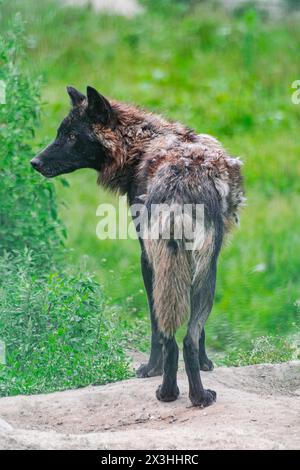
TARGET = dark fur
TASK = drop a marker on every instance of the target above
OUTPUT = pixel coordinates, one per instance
(157, 161)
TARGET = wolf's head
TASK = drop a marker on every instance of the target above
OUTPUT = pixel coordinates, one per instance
(78, 143)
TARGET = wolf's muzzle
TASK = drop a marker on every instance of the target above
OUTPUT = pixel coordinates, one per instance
(36, 164)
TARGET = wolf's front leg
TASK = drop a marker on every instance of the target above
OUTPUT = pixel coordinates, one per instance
(155, 364)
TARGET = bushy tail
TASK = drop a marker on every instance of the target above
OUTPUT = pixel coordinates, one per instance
(172, 282)
(176, 270)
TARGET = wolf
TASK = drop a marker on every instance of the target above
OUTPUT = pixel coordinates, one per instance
(158, 161)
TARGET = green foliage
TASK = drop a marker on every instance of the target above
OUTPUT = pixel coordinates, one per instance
(28, 214)
(56, 327)
(58, 331)
(265, 349)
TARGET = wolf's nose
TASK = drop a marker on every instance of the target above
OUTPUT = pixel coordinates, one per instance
(35, 163)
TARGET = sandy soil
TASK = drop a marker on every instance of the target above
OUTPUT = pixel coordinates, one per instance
(258, 407)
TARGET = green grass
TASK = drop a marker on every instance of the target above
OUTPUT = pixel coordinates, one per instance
(265, 349)
(228, 76)
(59, 331)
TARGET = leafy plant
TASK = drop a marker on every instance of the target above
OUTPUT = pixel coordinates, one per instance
(28, 212)
(56, 327)
(58, 331)
(265, 349)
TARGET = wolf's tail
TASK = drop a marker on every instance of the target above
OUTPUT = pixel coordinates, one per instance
(171, 283)
(176, 270)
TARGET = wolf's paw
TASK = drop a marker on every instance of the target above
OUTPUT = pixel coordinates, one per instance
(207, 398)
(206, 365)
(167, 395)
(148, 370)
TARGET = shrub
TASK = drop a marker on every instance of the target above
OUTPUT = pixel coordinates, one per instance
(58, 331)
(28, 214)
(56, 327)
(265, 349)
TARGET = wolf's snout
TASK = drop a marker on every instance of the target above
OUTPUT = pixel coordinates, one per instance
(36, 163)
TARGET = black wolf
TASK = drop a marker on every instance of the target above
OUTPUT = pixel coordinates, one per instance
(152, 159)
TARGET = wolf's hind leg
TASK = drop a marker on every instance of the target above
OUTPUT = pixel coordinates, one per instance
(169, 391)
(205, 363)
(201, 303)
(155, 364)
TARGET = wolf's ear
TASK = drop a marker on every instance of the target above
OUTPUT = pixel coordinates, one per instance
(76, 97)
(99, 107)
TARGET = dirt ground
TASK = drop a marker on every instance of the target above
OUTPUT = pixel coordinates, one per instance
(258, 407)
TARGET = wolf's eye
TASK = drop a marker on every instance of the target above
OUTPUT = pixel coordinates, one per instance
(72, 136)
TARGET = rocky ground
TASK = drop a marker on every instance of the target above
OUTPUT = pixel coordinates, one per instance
(258, 407)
